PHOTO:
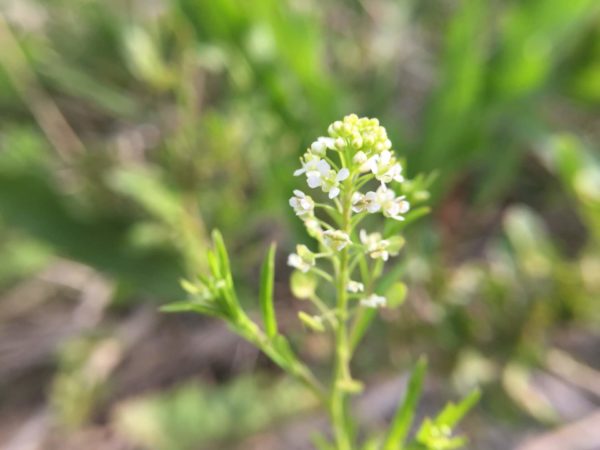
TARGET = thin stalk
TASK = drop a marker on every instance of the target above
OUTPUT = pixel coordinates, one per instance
(338, 397)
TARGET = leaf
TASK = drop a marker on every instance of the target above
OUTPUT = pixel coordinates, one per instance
(190, 306)
(454, 412)
(406, 411)
(396, 294)
(223, 257)
(267, 277)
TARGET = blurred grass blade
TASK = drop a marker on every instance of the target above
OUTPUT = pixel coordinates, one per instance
(406, 411)
(454, 412)
(267, 277)
(223, 257)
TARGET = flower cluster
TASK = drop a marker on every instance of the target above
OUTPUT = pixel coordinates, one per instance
(356, 152)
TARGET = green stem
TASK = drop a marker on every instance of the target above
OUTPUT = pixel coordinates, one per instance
(341, 375)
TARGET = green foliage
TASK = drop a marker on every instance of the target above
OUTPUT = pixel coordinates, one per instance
(403, 418)
(266, 293)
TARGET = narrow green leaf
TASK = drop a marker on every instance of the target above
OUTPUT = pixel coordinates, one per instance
(222, 255)
(190, 306)
(267, 277)
(213, 264)
(406, 411)
(454, 412)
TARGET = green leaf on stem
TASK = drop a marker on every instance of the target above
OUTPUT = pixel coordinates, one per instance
(405, 413)
(267, 277)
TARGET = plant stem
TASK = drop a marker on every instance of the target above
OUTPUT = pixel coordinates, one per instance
(338, 400)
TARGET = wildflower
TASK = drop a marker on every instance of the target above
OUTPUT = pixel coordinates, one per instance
(312, 163)
(385, 199)
(320, 146)
(303, 259)
(336, 239)
(385, 168)
(376, 246)
(355, 286)
(303, 204)
(330, 183)
(374, 301)
(362, 202)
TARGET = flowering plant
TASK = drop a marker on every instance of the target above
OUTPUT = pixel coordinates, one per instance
(356, 168)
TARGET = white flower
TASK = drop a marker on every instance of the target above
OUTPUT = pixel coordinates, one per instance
(355, 286)
(373, 301)
(391, 205)
(312, 163)
(303, 259)
(330, 183)
(303, 204)
(384, 199)
(375, 246)
(336, 239)
(362, 202)
(320, 146)
(385, 168)
(315, 174)
(372, 201)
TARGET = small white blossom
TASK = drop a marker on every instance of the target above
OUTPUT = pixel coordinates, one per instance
(330, 183)
(320, 146)
(372, 201)
(303, 204)
(336, 239)
(376, 246)
(355, 286)
(303, 259)
(311, 163)
(385, 168)
(362, 202)
(384, 199)
(374, 301)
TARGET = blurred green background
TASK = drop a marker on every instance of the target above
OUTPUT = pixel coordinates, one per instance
(131, 128)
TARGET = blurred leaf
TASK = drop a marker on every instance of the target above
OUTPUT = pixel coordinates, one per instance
(266, 293)
(405, 413)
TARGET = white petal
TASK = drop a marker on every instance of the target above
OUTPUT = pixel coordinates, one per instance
(342, 174)
(329, 142)
(299, 172)
(373, 207)
(323, 167)
(314, 181)
(333, 193)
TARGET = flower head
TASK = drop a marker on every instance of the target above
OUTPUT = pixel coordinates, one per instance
(385, 167)
(320, 146)
(336, 239)
(383, 199)
(374, 301)
(376, 246)
(355, 286)
(303, 259)
(331, 182)
(303, 204)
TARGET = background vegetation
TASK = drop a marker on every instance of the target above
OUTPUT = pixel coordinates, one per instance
(130, 129)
